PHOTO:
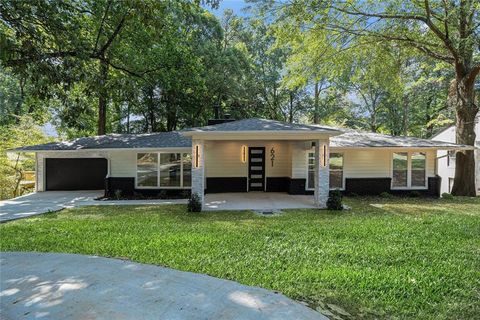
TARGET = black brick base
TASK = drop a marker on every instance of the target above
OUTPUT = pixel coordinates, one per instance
(229, 184)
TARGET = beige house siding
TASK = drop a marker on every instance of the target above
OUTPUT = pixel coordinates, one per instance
(224, 158)
(123, 163)
(371, 163)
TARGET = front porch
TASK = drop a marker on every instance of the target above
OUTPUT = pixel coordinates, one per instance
(257, 201)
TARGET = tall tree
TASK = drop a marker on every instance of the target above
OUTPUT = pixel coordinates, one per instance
(63, 42)
(447, 31)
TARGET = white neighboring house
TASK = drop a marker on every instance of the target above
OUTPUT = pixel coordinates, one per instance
(446, 159)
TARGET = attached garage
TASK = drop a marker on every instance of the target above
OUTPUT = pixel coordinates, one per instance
(75, 173)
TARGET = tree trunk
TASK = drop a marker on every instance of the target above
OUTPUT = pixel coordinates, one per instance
(290, 113)
(171, 112)
(406, 111)
(128, 117)
(316, 114)
(466, 110)
(102, 97)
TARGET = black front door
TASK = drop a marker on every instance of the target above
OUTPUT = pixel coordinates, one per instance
(256, 169)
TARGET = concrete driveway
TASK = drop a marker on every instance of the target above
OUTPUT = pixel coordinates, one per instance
(68, 286)
(41, 202)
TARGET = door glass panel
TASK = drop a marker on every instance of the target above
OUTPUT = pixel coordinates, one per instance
(311, 171)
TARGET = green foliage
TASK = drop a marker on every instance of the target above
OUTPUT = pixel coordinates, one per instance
(194, 203)
(447, 196)
(334, 201)
(406, 259)
(386, 195)
(13, 165)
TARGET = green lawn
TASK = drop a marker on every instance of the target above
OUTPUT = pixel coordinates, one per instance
(402, 258)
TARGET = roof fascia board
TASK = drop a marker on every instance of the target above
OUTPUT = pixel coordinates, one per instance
(407, 147)
(108, 149)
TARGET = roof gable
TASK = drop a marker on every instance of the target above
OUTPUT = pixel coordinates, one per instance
(262, 125)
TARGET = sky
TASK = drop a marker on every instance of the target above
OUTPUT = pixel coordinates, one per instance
(235, 5)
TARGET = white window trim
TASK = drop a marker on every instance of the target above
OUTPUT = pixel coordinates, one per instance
(343, 172)
(158, 186)
(409, 171)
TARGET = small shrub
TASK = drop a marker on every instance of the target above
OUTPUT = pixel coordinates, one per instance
(334, 201)
(447, 196)
(118, 194)
(354, 194)
(194, 204)
(162, 194)
(386, 195)
(415, 194)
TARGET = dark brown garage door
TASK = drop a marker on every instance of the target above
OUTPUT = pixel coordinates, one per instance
(75, 174)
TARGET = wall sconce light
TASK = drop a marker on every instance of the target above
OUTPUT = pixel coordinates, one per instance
(324, 155)
(197, 156)
(272, 155)
(244, 154)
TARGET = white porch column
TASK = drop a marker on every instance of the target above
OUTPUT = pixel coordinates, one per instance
(198, 168)
(322, 175)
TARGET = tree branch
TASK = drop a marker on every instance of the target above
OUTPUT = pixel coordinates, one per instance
(117, 30)
(101, 25)
(425, 19)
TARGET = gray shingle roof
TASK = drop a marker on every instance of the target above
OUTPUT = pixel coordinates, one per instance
(360, 139)
(257, 124)
(117, 141)
(175, 139)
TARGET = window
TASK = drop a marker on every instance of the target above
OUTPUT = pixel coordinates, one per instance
(336, 171)
(409, 170)
(164, 170)
(419, 169)
(147, 169)
(170, 169)
(187, 170)
(400, 170)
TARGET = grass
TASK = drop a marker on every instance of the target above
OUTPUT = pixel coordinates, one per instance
(401, 258)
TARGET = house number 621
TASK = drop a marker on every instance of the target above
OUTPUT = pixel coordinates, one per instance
(272, 155)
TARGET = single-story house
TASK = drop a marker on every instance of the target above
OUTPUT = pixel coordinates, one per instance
(250, 155)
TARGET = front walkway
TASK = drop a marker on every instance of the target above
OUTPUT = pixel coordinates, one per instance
(257, 201)
(69, 286)
(43, 202)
